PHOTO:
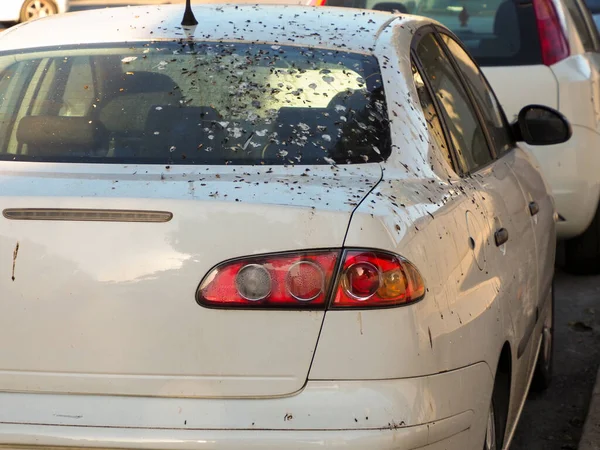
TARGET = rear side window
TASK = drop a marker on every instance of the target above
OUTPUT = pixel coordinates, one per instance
(496, 32)
(209, 103)
(490, 108)
(459, 113)
(431, 116)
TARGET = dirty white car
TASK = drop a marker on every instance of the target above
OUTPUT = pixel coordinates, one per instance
(265, 232)
(12, 11)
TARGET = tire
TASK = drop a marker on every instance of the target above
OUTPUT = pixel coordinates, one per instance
(542, 377)
(35, 9)
(582, 253)
(498, 413)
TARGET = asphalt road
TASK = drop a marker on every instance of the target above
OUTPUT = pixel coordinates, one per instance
(552, 420)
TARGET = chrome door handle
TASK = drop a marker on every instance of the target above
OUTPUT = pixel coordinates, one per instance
(501, 236)
(534, 208)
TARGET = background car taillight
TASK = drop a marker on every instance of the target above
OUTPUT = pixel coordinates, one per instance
(377, 279)
(299, 280)
(553, 41)
(367, 279)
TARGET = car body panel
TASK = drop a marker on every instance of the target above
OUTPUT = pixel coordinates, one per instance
(10, 10)
(537, 85)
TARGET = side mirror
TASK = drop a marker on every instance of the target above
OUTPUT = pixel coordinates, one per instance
(541, 125)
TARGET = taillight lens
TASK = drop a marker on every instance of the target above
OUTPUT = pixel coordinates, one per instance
(377, 279)
(299, 280)
(553, 41)
(367, 279)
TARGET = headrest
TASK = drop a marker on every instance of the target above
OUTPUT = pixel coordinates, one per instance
(506, 21)
(57, 131)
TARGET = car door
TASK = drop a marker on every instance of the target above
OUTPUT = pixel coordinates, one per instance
(484, 151)
(531, 216)
(538, 201)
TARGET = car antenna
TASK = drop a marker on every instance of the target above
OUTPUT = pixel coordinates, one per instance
(188, 17)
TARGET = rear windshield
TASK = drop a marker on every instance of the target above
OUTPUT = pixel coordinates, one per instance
(184, 103)
(496, 32)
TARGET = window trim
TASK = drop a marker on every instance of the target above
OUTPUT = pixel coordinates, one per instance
(419, 34)
(434, 29)
(467, 88)
(509, 129)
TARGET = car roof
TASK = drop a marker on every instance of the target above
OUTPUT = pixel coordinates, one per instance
(343, 28)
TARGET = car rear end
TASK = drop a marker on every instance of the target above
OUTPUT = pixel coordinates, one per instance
(172, 252)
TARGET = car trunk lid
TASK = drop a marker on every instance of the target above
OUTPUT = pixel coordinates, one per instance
(108, 307)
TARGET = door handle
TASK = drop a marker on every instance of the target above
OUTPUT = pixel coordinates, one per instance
(501, 236)
(534, 208)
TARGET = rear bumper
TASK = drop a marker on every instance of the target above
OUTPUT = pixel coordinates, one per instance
(233, 440)
(447, 410)
(571, 170)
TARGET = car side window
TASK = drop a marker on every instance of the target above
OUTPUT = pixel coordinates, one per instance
(431, 115)
(489, 106)
(458, 112)
(581, 25)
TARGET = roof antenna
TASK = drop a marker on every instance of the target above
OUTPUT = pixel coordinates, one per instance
(188, 17)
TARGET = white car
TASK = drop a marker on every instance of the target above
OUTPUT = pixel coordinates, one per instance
(545, 52)
(12, 11)
(230, 237)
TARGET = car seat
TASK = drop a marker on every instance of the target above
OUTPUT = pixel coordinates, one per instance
(506, 40)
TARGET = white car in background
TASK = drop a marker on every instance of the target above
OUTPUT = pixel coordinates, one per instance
(13, 11)
(230, 236)
(544, 52)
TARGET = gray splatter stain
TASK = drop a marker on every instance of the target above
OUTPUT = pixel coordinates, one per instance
(14, 265)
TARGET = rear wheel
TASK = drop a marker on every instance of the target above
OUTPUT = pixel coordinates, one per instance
(583, 252)
(543, 370)
(35, 9)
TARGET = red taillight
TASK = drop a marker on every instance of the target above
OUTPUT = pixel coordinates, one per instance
(318, 2)
(299, 280)
(367, 279)
(553, 41)
(377, 279)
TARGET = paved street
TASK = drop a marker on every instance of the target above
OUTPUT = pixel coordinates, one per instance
(554, 420)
